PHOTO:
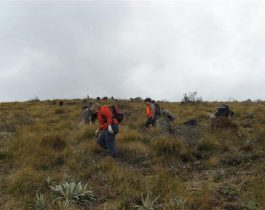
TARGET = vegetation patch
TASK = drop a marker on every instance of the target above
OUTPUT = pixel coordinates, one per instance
(54, 141)
(52, 161)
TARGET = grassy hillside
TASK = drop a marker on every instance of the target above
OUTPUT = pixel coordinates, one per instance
(43, 145)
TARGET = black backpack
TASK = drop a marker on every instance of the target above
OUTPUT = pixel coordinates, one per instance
(116, 114)
(94, 117)
(224, 110)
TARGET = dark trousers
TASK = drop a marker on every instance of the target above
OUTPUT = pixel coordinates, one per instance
(107, 140)
(151, 122)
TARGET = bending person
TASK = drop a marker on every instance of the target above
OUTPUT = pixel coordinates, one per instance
(109, 127)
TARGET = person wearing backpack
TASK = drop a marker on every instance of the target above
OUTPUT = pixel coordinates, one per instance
(157, 109)
(108, 126)
(223, 110)
(116, 111)
(86, 115)
(150, 113)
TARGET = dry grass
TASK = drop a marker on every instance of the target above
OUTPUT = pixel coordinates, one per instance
(201, 168)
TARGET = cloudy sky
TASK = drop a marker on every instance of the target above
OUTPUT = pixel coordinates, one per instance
(70, 49)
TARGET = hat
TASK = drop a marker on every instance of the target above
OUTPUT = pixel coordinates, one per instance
(147, 100)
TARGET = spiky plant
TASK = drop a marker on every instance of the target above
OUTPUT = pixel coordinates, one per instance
(40, 202)
(48, 180)
(177, 203)
(149, 202)
(73, 192)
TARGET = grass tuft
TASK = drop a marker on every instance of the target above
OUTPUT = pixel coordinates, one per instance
(54, 141)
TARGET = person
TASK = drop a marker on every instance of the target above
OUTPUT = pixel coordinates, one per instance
(157, 109)
(223, 110)
(108, 126)
(150, 113)
(117, 106)
(93, 117)
(86, 115)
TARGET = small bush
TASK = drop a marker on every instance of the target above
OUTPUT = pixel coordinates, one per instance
(34, 100)
(168, 147)
(191, 98)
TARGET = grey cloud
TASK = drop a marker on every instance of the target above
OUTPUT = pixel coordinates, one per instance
(127, 49)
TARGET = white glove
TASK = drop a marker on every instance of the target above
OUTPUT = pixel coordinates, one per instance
(96, 132)
(110, 129)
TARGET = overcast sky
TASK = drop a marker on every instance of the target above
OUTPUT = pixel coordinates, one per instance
(132, 48)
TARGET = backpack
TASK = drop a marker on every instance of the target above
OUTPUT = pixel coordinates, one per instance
(94, 117)
(224, 110)
(157, 109)
(116, 114)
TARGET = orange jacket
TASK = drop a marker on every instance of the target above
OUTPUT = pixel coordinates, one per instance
(149, 111)
(105, 117)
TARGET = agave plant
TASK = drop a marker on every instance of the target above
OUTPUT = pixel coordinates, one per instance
(48, 180)
(177, 202)
(148, 203)
(73, 192)
(39, 202)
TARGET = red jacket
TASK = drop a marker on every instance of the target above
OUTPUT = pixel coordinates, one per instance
(105, 117)
(149, 111)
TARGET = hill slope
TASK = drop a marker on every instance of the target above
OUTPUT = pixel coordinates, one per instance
(43, 144)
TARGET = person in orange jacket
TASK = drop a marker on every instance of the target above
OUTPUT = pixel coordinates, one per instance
(109, 127)
(150, 113)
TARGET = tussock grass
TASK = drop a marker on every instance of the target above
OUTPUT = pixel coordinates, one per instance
(129, 135)
(196, 168)
(54, 141)
(168, 147)
(25, 181)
